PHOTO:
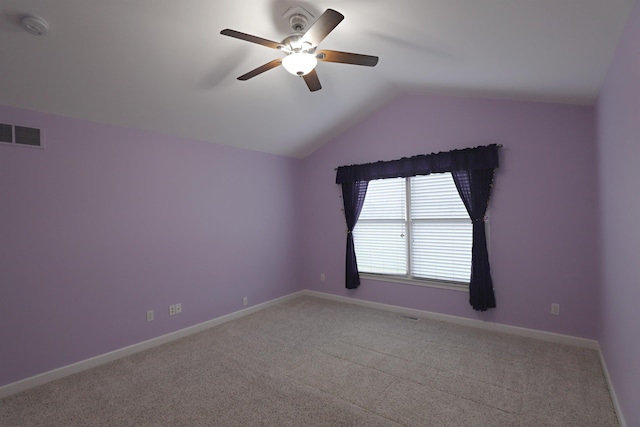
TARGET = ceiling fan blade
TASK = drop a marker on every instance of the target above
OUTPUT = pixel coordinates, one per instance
(250, 38)
(346, 58)
(261, 69)
(312, 81)
(322, 27)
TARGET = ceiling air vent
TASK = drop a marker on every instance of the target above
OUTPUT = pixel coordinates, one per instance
(20, 135)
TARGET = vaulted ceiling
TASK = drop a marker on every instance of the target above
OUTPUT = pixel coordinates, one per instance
(162, 65)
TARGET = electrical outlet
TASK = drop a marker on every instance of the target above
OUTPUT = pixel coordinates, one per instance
(178, 308)
(555, 309)
(245, 301)
(172, 310)
(149, 315)
(322, 277)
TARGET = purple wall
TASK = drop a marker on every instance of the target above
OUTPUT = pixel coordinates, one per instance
(619, 152)
(543, 231)
(106, 223)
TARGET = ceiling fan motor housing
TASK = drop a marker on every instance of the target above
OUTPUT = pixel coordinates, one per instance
(293, 43)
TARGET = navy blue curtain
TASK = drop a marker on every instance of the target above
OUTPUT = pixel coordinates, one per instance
(472, 169)
(474, 188)
(484, 157)
(353, 194)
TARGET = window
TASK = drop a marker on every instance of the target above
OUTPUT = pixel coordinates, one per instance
(415, 228)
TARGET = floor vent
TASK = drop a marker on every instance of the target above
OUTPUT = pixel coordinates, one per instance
(415, 319)
(20, 135)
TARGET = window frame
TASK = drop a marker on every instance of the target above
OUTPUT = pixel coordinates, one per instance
(408, 279)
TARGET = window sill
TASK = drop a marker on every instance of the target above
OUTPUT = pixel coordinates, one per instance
(460, 287)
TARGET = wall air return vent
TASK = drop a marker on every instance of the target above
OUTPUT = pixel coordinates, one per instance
(27, 136)
(20, 135)
(6, 133)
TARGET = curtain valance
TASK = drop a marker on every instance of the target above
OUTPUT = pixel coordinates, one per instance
(468, 159)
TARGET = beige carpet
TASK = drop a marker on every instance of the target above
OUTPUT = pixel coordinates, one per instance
(311, 362)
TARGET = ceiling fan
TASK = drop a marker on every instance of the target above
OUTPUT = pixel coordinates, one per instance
(300, 48)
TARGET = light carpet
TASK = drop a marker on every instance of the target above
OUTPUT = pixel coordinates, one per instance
(314, 362)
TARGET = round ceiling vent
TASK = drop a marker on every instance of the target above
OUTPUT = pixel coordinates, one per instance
(34, 25)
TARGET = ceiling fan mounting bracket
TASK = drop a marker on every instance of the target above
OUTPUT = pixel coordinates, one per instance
(298, 18)
(298, 22)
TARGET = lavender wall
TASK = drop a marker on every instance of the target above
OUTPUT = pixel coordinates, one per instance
(543, 232)
(619, 151)
(107, 223)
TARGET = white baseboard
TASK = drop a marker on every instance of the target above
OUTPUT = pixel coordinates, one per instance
(496, 327)
(83, 365)
(612, 390)
(513, 330)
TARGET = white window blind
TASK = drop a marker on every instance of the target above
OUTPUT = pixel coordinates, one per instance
(415, 227)
(380, 234)
(441, 230)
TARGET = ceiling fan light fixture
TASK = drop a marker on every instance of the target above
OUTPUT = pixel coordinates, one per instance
(299, 63)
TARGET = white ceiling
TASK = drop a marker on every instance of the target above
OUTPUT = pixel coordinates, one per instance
(162, 65)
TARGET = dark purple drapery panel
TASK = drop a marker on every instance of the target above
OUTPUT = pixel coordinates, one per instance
(472, 169)
(474, 188)
(353, 194)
